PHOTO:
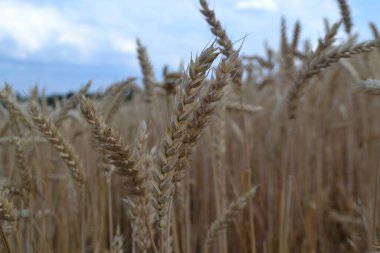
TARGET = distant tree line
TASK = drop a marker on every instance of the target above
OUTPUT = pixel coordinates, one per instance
(53, 99)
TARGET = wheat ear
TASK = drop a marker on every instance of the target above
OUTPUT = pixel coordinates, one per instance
(14, 107)
(118, 98)
(7, 211)
(141, 141)
(117, 152)
(185, 101)
(222, 223)
(346, 15)
(320, 63)
(65, 150)
(141, 210)
(222, 38)
(22, 167)
(147, 70)
(296, 35)
(375, 31)
(202, 113)
(71, 103)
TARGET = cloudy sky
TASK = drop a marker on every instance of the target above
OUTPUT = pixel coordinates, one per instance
(60, 45)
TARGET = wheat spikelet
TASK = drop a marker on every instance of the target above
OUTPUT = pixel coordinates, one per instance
(172, 80)
(7, 212)
(296, 35)
(286, 61)
(118, 242)
(185, 102)
(329, 39)
(370, 86)
(11, 190)
(318, 64)
(237, 106)
(346, 16)
(13, 107)
(326, 25)
(375, 31)
(64, 149)
(284, 40)
(22, 167)
(226, 219)
(147, 70)
(71, 103)
(141, 141)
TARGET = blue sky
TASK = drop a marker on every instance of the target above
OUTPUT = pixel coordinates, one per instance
(59, 45)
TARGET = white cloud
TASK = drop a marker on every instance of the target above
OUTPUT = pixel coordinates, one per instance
(263, 5)
(124, 45)
(33, 28)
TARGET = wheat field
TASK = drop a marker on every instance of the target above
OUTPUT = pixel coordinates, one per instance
(271, 153)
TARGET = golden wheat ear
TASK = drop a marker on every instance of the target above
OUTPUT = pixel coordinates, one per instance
(186, 100)
(64, 148)
(204, 110)
(117, 152)
(14, 108)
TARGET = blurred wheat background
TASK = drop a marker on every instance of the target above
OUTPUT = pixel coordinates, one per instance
(231, 152)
